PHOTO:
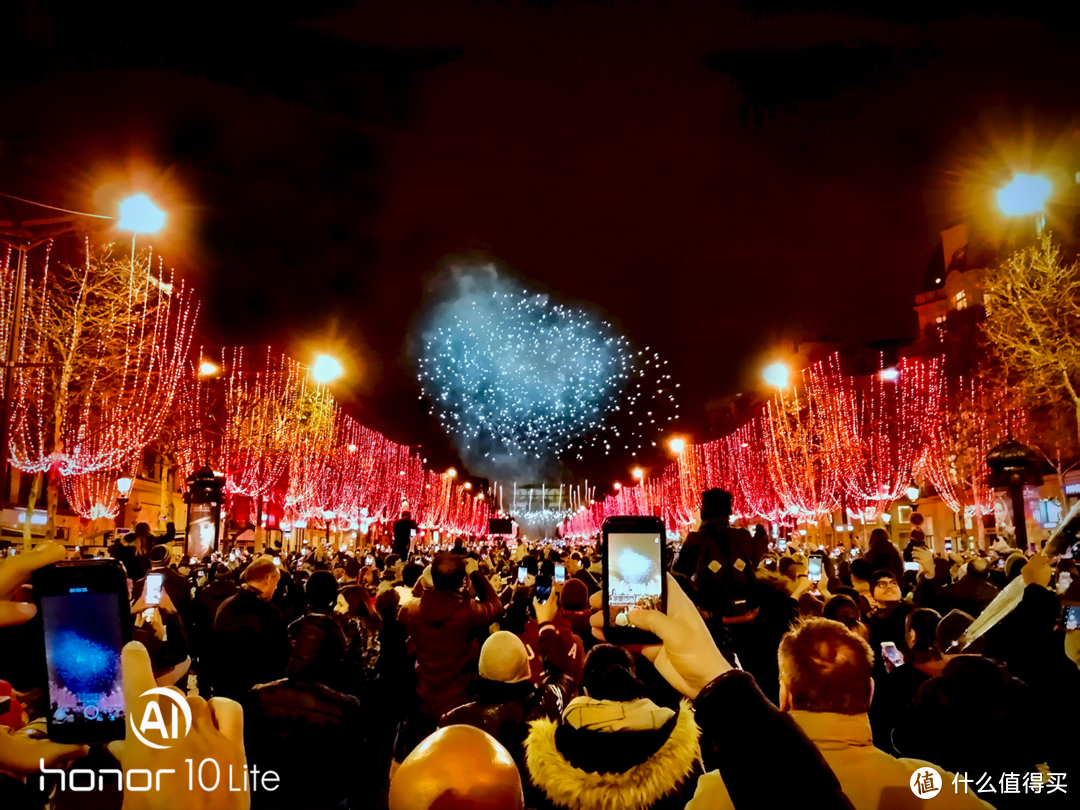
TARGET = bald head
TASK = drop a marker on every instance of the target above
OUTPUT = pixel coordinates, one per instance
(457, 768)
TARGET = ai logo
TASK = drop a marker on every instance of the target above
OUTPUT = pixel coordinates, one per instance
(153, 719)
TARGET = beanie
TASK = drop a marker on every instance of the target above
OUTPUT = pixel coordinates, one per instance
(159, 555)
(504, 658)
(575, 596)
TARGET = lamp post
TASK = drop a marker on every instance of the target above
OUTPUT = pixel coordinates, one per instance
(777, 375)
(123, 486)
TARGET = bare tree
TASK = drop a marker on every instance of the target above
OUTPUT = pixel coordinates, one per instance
(1033, 323)
(106, 345)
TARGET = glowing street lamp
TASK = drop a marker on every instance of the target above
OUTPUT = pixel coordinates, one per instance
(468, 485)
(451, 473)
(138, 214)
(208, 369)
(890, 374)
(123, 486)
(1025, 194)
(912, 493)
(638, 473)
(776, 375)
(326, 369)
(617, 486)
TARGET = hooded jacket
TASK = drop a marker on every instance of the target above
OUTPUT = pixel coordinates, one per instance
(581, 769)
(440, 625)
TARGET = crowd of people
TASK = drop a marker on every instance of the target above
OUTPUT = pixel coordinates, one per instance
(478, 676)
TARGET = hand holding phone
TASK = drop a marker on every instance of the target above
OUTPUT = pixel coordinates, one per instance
(522, 572)
(891, 655)
(86, 620)
(560, 573)
(634, 575)
(155, 581)
(813, 568)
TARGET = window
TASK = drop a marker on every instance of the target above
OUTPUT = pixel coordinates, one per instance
(961, 300)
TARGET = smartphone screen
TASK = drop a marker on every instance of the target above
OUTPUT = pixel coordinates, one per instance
(948, 546)
(1071, 617)
(911, 566)
(522, 573)
(633, 574)
(560, 573)
(369, 560)
(154, 583)
(781, 544)
(86, 618)
(813, 569)
(893, 657)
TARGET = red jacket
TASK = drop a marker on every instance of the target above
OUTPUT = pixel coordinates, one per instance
(439, 625)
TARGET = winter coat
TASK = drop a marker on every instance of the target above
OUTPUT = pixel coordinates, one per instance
(582, 769)
(249, 645)
(751, 742)
(288, 721)
(440, 625)
(872, 779)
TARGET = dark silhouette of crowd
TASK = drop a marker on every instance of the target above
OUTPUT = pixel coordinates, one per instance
(477, 675)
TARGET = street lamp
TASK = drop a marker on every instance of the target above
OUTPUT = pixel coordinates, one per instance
(776, 375)
(123, 486)
(208, 368)
(452, 473)
(328, 515)
(912, 493)
(326, 369)
(638, 473)
(468, 485)
(890, 374)
(138, 214)
(617, 486)
(1025, 194)
(677, 445)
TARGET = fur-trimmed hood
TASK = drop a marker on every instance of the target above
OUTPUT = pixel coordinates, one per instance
(589, 784)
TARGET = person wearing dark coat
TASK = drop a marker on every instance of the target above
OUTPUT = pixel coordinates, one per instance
(882, 555)
(403, 533)
(205, 607)
(249, 644)
(286, 721)
(440, 624)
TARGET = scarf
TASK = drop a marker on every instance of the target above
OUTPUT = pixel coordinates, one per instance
(613, 715)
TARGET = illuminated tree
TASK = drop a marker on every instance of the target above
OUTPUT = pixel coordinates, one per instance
(1033, 323)
(104, 350)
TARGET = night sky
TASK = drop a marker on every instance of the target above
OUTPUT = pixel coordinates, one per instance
(712, 178)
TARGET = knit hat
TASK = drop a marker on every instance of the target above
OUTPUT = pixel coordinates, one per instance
(504, 658)
(159, 555)
(575, 596)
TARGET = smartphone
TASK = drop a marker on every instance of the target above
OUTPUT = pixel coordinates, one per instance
(154, 584)
(892, 656)
(634, 575)
(87, 620)
(369, 560)
(1070, 617)
(948, 546)
(813, 568)
(911, 566)
(560, 573)
(412, 532)
(1064, 582)
(522, 573)
(781, 544)
(277, 561)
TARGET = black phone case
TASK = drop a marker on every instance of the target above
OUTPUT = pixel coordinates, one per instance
(48, 580)
(632, 525)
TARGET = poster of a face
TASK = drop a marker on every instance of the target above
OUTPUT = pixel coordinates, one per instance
(1003, 516)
